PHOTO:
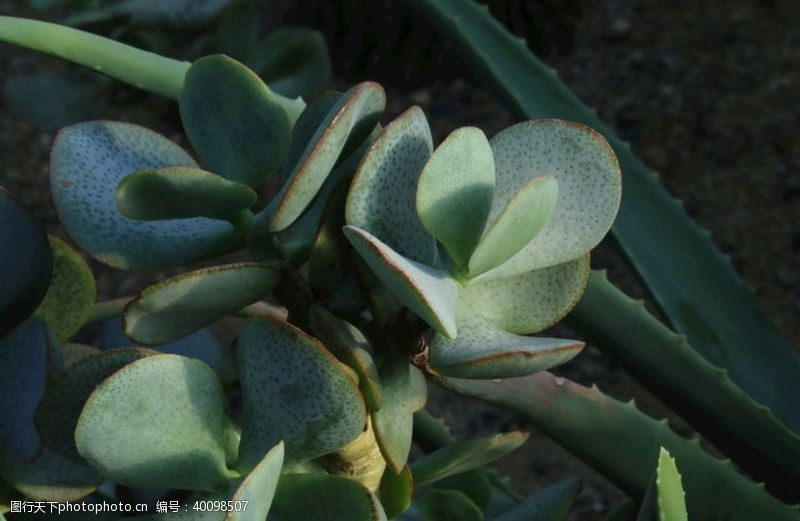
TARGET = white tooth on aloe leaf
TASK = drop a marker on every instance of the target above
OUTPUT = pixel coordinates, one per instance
(428, 292)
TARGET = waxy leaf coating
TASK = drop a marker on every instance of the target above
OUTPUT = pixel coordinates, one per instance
(258, 487)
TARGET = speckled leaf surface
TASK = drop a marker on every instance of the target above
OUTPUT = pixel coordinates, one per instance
(178, 306)
(157, 422)
(589, 187)
(444, 505)
(516, 225)
(396, 491)
(464, 455)
(180, 192)
(72, 291)
(671, 502)
(58, 413)
(428, 292)
(87, 162)
(50, 477)
(404, 393)
(258, 487)
(234, 121)
(334, 497)
(295, 391)
(484, 351)
(346, 124)
(382, 198)
(25, 266)
(455, 189)
(532, 301)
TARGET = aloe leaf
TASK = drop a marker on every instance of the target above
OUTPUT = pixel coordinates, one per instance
(531, 301)
(293, 390)
(57, 414)
(758, 441)
(351, 347)
(516, 225)
(444, 505)
(233, 120)
(403, 392)
(133, 427)
(454, 194)
(88, 161)
(462, 456)
(685, 272)
(180, 192)
(344, 127)
(26, 266)
(484, 351)
(334, 497)
(72, 291)
(428, 292)
(382, 198)
(475, 484)
(258, 488)
(671, 501)
(621, 443)
(548, 504)
(396, 491)
(178, 306)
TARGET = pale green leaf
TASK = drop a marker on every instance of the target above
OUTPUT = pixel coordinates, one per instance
(319, 497)
(258, 488)
(396, 491)
(671, 500)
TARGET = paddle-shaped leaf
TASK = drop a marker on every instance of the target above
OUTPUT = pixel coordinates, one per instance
(58, 413)
(589, 187)
(516, 225)
(532, 301)
(293, 390)
(234, 121)
(180, 192)
(483, 350)
(258, 488)
(346, 125)
(444, 505)
(428, 292)
(319, 497)
(50, 477)
(26, 263)
(72, 291)
(671, 502)
(548, 504)
(175, 307)
(157, 422)
(465, 455)
(88, 161)
(404, 393)
(455, 190)
(396, 491)
(382, 198)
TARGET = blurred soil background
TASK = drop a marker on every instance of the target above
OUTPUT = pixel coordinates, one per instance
(708, 93)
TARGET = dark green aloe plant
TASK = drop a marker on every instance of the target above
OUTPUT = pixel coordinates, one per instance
(379, 263)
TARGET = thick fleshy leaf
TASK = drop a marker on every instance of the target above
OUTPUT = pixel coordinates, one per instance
(72, 291)
(351, 347)
(74, 353)
(520, 221)
(234, 121)
(475, 484)
(455, 190)
(428, 292)
(484, 351)
(50, 477)
(589, 187)
(312, 118)
(319, 497)
(548, 504)
(178, 306)
(181, 192)
(202, 345)
(88, 161)
(465, 455)
(404, 393)
(293, 390)
(671, 501)
(26, 264)
(396, 491)
(444, 505)
(58, 413)
(157, 422)
(532, 301)
(382, 198)
(258, 488)
(346, 125)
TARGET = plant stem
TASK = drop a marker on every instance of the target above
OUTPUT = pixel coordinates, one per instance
(108, 309)
(145, 70)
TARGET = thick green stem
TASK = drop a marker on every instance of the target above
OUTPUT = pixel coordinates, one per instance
(108, 309)
(142, 69)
